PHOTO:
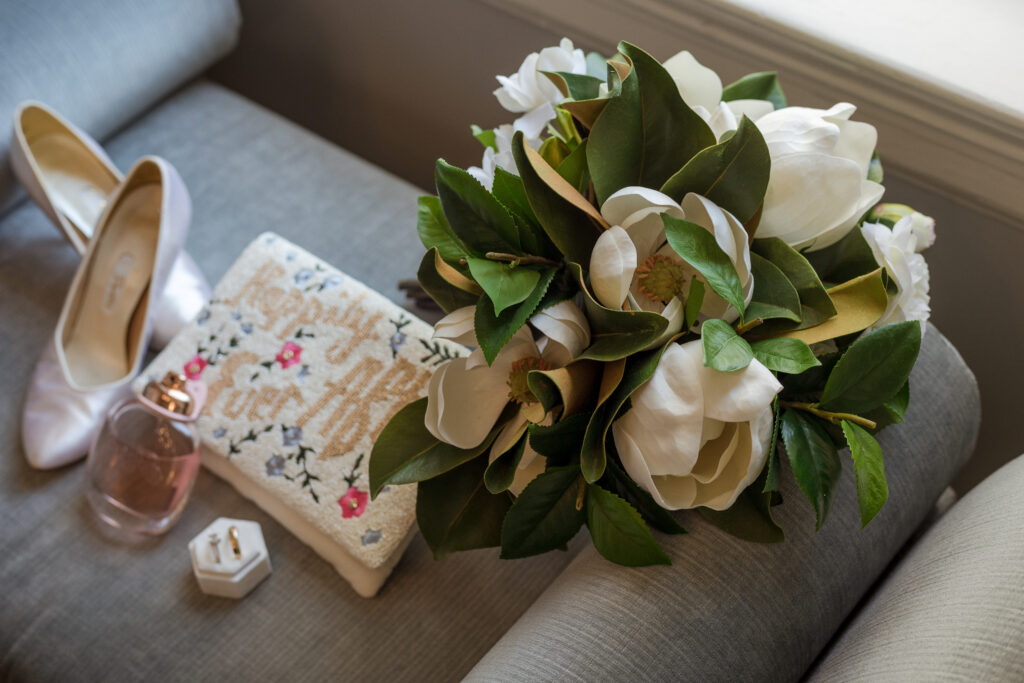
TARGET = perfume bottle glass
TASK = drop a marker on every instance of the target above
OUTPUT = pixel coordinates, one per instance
(145, 459)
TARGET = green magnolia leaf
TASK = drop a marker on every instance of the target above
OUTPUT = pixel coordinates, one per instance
(505, 284)
(898, 404)
(448, 296)
(872, 489)
(455, 512)
(405, 452)
(544, 516)
(616, 334)
(476, 217)
(485, 136)
(848, 258)
(646, 132)
(772, 483)
(757, 86)
(814, 459)
(724, 350)
(493, 332)
(815, 305)
(597, 66)
(733, 174)
(875, 172)
(750, 517)
(781, 354)
(618, 531)
(860, 303)
(698, 247)
(508, 189)
(873, 369)
(694, 300)
(434, 231)
(574, 168)
(501, 471)
(656, 516)
(553, 151)
(575, 86)
(568, 219)
(593, 456)
(560, 443)
(774, 295)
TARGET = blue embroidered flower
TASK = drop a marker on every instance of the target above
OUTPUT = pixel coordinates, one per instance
(396, 341)
(204, 316)
(303, 372)
(236, 316)
(247, 328)
(303, 276)
(275, 466)
(292, 436)
(332, 281)
(290, 256)
(219, 433)
(371, 536)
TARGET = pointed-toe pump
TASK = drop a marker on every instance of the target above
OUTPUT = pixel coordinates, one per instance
(106, 322)
(71, 178)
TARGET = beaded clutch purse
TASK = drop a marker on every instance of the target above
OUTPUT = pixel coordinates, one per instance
(305, 366)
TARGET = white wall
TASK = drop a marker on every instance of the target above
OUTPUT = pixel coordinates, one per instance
(398, 82)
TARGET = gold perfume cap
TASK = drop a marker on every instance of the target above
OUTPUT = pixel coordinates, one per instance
(169, 394)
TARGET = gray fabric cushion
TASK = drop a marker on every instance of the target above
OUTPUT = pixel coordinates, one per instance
(78, 606)
(100, 64)
(954, 608)
(727, 610)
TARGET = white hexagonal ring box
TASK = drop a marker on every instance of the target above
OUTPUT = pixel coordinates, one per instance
(229, 557)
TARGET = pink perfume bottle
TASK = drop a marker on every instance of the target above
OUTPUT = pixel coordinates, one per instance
(145, 459)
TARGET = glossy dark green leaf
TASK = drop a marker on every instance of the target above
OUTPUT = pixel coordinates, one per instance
(476, 217)
(814, 460)
(733, 174)
(698, 247)
(446, 295)
(618, 531)
(508, 189)
(750, 517)
(873, 369)
(544, 516)
(772, 481)
(574, 168)
(455, 511)
(569, 227)
(872, 488)
(774, 295)
(620, 483)
(645, 133)
(782, 354)
(593, 456)
(493, 332)
(560, 443)
(815, 305)
(848, 258)
(405, 452)
(575, 86)
(485, 136)
(501, 471)
(694, 300)
(763, 85)
(434, 231)
(505, 284)
(616, 334)
(724, 350)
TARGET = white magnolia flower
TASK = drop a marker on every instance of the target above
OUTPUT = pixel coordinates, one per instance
(818, 188)
(465, 396)
(632, 262)
(701, 89)
(896, 251)
(500, 157)
(532, 94)
(696, 437)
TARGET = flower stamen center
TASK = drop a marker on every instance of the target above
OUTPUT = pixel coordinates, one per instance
(660, 278)
(518, 389)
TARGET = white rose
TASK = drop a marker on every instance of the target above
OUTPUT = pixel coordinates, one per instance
(818, 188)
(632, 261)
(701, 89)
(465, 396)
(696, 437)
(500, 157)
(532, 94)
(896, 251)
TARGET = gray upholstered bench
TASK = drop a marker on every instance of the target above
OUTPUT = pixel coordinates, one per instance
(77, 606)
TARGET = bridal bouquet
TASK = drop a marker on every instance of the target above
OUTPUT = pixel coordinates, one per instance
(673, 291)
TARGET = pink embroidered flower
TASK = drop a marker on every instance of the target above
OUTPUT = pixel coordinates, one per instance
(353, 503)
(290, 355)
(194, 367)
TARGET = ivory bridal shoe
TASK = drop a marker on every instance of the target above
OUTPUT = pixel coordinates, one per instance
(71, 178)
(107, 318)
